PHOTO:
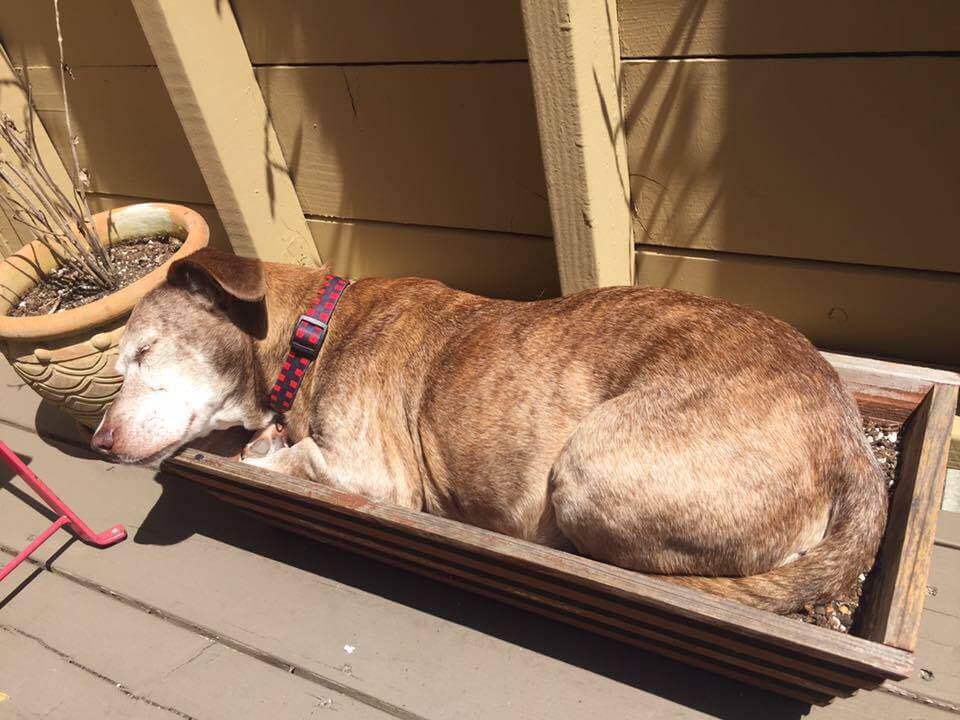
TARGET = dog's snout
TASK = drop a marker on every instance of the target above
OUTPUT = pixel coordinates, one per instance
(102, 440)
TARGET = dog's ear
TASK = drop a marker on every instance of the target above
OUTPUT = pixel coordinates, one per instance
(234, 276)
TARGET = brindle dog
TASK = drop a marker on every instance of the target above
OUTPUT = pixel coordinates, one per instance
(652, 429)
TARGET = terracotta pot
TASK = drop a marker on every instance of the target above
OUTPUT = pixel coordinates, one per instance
(68, 357)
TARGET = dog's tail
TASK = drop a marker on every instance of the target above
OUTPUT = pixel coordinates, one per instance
(830, 568)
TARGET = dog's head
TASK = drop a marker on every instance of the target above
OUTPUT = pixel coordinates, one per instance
(187, 359)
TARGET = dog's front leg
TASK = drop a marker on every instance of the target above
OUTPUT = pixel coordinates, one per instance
(304, 460)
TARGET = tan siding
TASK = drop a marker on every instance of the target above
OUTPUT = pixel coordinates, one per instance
(658, 28)
(334, 31)
(854, 160)
(447, 145)
(898, 313)
(10, 240)
(95, 32)
(130, 138)
(495, 264)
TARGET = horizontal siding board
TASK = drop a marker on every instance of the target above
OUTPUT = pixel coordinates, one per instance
(675, 28)
(130, 139)
(442, 145)
(493, 264)
(361, 31)
(841, 159)
(861, 310)
(95, 32)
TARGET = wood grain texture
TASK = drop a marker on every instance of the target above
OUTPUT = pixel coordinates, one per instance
(893, 615)
(953, 461)
(364, 31)
(572, 49)
(593, 593)
(493, 264)
(537, 595)
(445, 145)
(870, 311)
(95, 32)
(843, 159)
(546, 609)
(204, 65)
(676, 28)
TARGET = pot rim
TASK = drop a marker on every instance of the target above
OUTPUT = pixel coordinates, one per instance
(117, 303)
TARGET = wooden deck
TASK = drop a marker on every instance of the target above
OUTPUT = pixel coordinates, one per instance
(204, 612)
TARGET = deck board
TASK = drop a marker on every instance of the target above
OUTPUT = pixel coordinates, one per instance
(422, 649)
(154, 661)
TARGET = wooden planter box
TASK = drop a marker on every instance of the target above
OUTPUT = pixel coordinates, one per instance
(786, 656)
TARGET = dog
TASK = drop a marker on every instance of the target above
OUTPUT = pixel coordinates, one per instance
(652, 429)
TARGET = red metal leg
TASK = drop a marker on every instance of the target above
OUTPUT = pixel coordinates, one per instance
(67, 516)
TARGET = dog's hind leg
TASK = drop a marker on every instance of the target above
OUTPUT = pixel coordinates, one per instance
(688, 483)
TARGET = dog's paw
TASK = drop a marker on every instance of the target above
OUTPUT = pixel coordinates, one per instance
(266, 442)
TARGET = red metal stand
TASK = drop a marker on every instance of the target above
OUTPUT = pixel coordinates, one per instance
(67, 516)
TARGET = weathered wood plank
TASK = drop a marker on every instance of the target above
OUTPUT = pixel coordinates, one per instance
(676, 28)
(853, 309)
(364, 31)
(900, 586)
(151, 658)
(948, 529)
(493, 264)
(566, 569)
(204, 65)
(576, 73)
(445, 145)
(953, 460)
(44, 683)
(842, 159)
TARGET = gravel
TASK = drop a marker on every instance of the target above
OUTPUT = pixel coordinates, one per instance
(65, 288)
(840, 614)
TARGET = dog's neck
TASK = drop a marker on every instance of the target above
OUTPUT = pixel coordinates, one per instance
(290, 293)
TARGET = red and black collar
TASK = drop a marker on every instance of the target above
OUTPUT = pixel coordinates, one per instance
(307, 338)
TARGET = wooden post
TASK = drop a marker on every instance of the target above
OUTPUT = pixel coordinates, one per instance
(204, 64)
(13, 102)
(574, 52)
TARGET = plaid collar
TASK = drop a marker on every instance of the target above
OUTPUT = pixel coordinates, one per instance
(307, 338)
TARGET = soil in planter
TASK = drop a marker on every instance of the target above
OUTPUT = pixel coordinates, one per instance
(65, 288)
(839, 614)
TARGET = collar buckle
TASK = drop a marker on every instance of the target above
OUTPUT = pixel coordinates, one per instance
(303, 349)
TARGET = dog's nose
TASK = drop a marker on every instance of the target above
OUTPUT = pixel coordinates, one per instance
(102, 440)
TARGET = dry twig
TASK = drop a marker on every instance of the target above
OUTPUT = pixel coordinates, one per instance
(64, 226)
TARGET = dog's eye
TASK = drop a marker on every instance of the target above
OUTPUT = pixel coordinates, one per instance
(141, 353)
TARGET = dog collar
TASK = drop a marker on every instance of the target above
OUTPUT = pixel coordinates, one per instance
(307, 338)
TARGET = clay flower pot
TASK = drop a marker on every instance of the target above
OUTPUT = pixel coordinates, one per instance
(68, 357)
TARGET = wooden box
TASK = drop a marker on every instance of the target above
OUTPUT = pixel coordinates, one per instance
(786, 656)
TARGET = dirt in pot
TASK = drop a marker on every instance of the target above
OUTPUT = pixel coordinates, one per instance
(839, 614)
(65, 288)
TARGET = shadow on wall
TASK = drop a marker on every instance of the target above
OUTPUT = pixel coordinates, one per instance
(809, 184)
(400, 169)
